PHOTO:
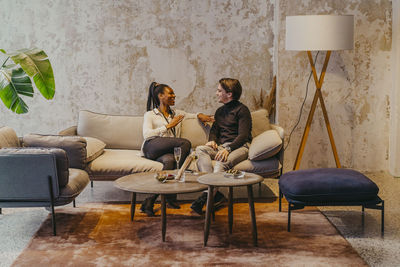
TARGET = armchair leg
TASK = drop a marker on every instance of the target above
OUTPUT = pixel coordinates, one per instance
(0, 211)
(280, 200)
(73, 203)
(91, 184)
(53, 215)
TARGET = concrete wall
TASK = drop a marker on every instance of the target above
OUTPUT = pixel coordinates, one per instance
(106, 53)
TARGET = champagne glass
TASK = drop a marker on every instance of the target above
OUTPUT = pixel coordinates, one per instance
(177, 155)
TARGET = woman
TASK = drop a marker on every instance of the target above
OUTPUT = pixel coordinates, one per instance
(161, 131)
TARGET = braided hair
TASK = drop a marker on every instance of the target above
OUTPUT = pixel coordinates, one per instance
(154, 90)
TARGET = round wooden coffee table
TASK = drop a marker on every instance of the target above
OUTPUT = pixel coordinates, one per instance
(213, 180)
(146, 182)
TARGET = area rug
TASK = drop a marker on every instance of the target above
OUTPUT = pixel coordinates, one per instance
(103, 235)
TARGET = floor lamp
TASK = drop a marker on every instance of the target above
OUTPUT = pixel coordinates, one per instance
(319, 33)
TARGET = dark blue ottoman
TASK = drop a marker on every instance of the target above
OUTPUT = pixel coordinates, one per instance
(329, 187)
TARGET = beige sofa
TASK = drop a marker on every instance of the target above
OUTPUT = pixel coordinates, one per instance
(114, 142)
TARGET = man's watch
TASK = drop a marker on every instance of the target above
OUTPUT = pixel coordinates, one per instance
(228, 148)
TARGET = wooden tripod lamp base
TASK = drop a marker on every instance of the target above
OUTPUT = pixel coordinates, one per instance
(317, 96)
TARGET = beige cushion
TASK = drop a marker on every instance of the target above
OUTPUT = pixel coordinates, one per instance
(75, 146)
(8, 137)
(265, 145)
(195, 131)
(260, 122)
(94, 148)
(78, 179)
(116, 131)
(114, 163)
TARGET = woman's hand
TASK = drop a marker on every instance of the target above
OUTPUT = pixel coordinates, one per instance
(175, 121)
(205, 118)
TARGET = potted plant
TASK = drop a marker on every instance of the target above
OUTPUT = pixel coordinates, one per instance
(21, 72)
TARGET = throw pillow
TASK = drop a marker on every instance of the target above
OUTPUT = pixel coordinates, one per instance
(94, 148)
(265, 145)
(260, 122)
(8, 137)
(75, 146)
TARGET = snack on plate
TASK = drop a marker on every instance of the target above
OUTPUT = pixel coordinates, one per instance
(163, 176)
(234, 174)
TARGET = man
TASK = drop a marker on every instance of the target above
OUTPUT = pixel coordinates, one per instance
(229, 138)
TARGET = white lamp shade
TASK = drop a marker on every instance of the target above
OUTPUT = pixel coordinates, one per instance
(319, 32)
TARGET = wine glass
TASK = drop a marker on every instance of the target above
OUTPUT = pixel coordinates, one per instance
(177, 155)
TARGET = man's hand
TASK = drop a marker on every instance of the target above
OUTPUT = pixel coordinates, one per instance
(205, 118)
(175, 121)
(212, 144)
(222, 155)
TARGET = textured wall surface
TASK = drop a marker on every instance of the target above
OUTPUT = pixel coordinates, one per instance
(356, 88)
(106, 53)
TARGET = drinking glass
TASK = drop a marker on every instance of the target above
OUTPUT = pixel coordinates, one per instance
(177, 155)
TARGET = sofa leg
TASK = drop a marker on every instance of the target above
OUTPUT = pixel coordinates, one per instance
(0, 211)
(280, 200)
(91, 184)
(73, 203)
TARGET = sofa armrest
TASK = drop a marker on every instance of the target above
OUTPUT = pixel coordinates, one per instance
(69, 131)
(279, 129)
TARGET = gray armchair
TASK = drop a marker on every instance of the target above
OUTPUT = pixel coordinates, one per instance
(37, 177)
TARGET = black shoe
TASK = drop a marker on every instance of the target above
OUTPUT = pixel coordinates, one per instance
(198, 204)
(171, 202)
(148, 204)
(219, 200)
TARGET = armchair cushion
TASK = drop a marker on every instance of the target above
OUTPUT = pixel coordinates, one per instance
(265, 145)
(260, 122)
(94, 148)
(61, 159)
(75, 146)
(8, 137)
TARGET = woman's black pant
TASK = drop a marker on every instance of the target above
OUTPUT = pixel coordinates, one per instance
(161, 149)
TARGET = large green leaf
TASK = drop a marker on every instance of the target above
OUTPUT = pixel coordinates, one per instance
(37, 65)
(13, 83)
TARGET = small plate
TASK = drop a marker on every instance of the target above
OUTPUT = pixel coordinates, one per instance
(165, 177)
(235, 176)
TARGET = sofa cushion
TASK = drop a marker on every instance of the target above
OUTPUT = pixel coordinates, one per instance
(268, 167)
(8, 137)
(78, 179)
(61, 159)
(75, 146)
(260, 122)
(195, 131)
(327, 185)
(94, 148)
(117, 131)
(114, 163)
(265, 145)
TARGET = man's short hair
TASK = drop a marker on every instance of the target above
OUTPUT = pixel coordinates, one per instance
(231, 86)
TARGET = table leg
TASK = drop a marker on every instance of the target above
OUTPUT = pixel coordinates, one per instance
(210, 204)
(133, 205)
(163, 217)
(252, 214)
(230, 208)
